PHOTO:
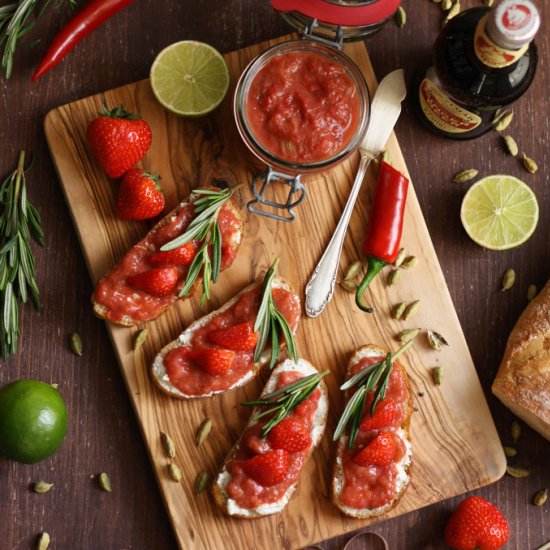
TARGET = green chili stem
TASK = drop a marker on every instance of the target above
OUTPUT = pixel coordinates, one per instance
(374, 266)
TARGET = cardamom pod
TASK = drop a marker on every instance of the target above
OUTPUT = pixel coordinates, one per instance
(511, 145)
(454, 11)
(139, 340)
(446, 5)
(386, 157)
(168, 445)
(435, 339)
(489, 3)
(508, 280)
(438, 375)
(517, 471)
(411, 310)
(104, 482)
(348, 286)
(509, 451)
(43, 542)
(41, 487)
(204, 431)
(529, 164)
(202, 482)
(76, 344)
(175, 472)
(515, 430)
(503, 120)
(409, 262)
(531, 292)
(465, 175)
(398, 310)
(401, 17)
(353, 270)
(393, 277)
(400, 257)
(408, 334)
(540, 497)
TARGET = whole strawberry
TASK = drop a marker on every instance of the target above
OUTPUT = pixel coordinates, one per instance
(476, 524)
(139, 196)
(118, 140)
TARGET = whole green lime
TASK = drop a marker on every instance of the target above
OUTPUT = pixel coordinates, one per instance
(33, 420)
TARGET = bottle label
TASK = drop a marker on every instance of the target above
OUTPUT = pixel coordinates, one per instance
(443, 112)
(491, 54)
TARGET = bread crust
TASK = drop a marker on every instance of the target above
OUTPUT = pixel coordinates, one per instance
(404, 430)
(102, 311)
(219, 487)
(522, 382)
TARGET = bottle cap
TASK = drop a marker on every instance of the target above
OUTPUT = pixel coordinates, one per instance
(513, 23)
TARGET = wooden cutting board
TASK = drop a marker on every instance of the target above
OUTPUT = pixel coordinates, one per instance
(455, 444)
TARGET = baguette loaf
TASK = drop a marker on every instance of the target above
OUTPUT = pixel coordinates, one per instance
(402, 472)
(522, 382)
(223, 479)
(158, 370)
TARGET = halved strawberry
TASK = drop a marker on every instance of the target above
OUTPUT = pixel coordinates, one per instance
(159, 281)
(239, 337)
(378, 452)
(267, 469)
(384, 416)
(183, 255)
(212, 360)
(290, 434)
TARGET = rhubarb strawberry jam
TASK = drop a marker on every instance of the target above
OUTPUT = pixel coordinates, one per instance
(373, 472)
(188, 367)
(263, 470)
(137, 289)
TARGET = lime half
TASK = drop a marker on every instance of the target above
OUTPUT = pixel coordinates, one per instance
(189, 78)
(499, 212)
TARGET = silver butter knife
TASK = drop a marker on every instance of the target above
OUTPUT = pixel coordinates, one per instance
(384, 112)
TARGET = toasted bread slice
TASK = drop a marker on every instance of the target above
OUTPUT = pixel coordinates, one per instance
(158, 370)
(120, 304)
(403, 467)
(219, 487)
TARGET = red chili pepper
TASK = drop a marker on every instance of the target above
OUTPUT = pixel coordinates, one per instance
(84, 22)
(385, 226)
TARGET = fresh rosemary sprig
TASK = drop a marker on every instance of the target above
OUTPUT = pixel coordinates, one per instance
(270, 322)
(373, 378)
(280, 403)
(205, 229)
(19, 221)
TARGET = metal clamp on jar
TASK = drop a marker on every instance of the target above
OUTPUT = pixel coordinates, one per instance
(302, 106)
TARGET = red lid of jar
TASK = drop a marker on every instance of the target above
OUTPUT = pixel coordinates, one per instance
(341, 12)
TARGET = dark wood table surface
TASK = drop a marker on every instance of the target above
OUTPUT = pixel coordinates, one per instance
(104, 434)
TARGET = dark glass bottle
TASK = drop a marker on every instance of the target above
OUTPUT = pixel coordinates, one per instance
(483, 59)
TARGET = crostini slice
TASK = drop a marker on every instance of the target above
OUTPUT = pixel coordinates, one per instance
(147, 280)
(369, 479)
(259, 475)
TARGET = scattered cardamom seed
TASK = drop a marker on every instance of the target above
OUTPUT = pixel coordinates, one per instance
(515, 430)
(510, 451)
(531, 292)
(348, 286)
(41, 487)
(540, 497)
(204, 431)
(465, 175)
(167, 445)
(438, 374)
(43, 542)
(517, 471)
(408, 334)
(202, 481)
(409, 262)
(104, 482)
(435, 339)
(398, 310)
(353, 270)
(139, 340)
(529, 164)
(508, 280)
(175, 472)
(446, 5)
(393, 277)
(401, 255)
(511, 145)
(411, 310)
(503, 120)
(76, 344)
(55, 386)
(401, 17)
(454, 11)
